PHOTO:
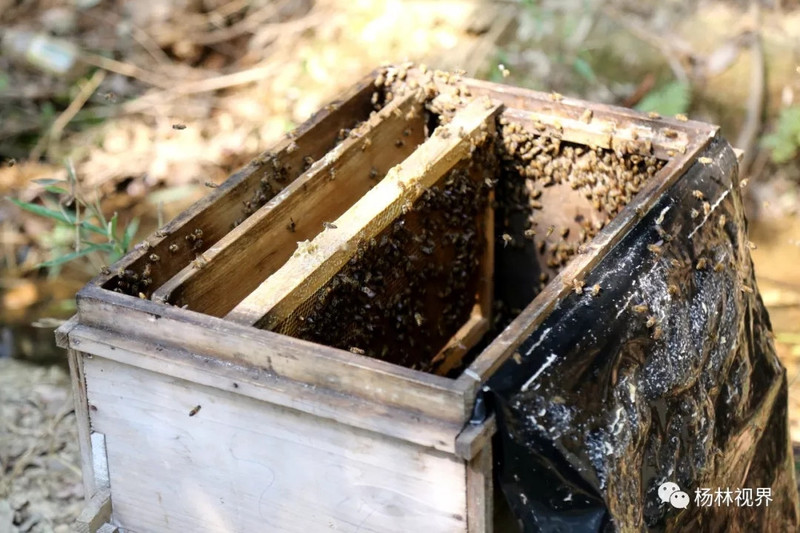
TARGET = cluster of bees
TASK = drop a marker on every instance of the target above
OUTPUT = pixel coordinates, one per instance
(532, 162)
(406, 291)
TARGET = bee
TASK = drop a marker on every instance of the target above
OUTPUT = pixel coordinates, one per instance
(373, 173)
(11, 161)
(746, 289)
(651, 321)
(399, 143)
(198, 232)
(698, 194)
(751, 245)
(154, 258)
(173, 248)
(110, 97)
(595, 289)
(356, 350)
(681, 117)
(291, 148)
(657, 332)
(705, 160)
(670, 134)
(550, 230)
(529, 233)
(291, 225)
(503, 70)
(673, 289)
(105, 271)
(564, 233)
(195, 410)
(706, 208)
(586, 116)
(211, 185)
(517, 358)
(719, 267)
(142, 296)
(419, 319)
(179, 126)
(507, 239)
(366, 144)
(556, 97)
(199, 262)
(641, 308)
(147, 270)
(328, 225)
(722, 220)
(655, 248)
(653, 114)
(577, 286)
(701, 263)
(743, 183)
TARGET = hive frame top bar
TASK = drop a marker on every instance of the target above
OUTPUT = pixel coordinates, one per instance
(339, 371)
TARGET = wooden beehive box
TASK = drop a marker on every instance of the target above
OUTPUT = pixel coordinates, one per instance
(302, 349)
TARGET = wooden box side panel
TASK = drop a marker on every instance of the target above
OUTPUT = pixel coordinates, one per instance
(184, 457)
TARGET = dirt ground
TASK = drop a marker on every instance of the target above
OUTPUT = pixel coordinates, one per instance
(239, 74)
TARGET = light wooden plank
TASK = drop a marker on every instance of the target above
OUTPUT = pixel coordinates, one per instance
(62, 332)
(75, 359)
(475, 437)
(96, 513)
(480, 492)
(255, 249)
(241, 465)
(306, 272)
(265, 386)
(293, 359)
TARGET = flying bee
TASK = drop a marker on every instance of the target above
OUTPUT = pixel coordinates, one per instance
(698, 194)
(507, 239)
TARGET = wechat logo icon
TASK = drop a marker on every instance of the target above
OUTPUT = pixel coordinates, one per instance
(671, 493)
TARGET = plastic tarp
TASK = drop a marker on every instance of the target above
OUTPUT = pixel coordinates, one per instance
(669, 374)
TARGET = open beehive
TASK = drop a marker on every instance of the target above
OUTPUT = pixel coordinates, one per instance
(303, 348)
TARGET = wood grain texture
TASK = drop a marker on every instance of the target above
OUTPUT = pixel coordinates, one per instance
(75, 359)
(263, 385)
(96, 513)
(306, 272)
(241, 465)
(293, 359)
(240, 261)
(480, 488)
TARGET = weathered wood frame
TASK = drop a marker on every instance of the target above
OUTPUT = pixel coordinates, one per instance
(352, 390)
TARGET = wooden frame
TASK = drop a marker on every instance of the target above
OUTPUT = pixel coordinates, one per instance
(165, 350)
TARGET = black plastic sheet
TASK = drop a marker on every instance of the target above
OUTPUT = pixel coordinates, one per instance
(669, 374)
